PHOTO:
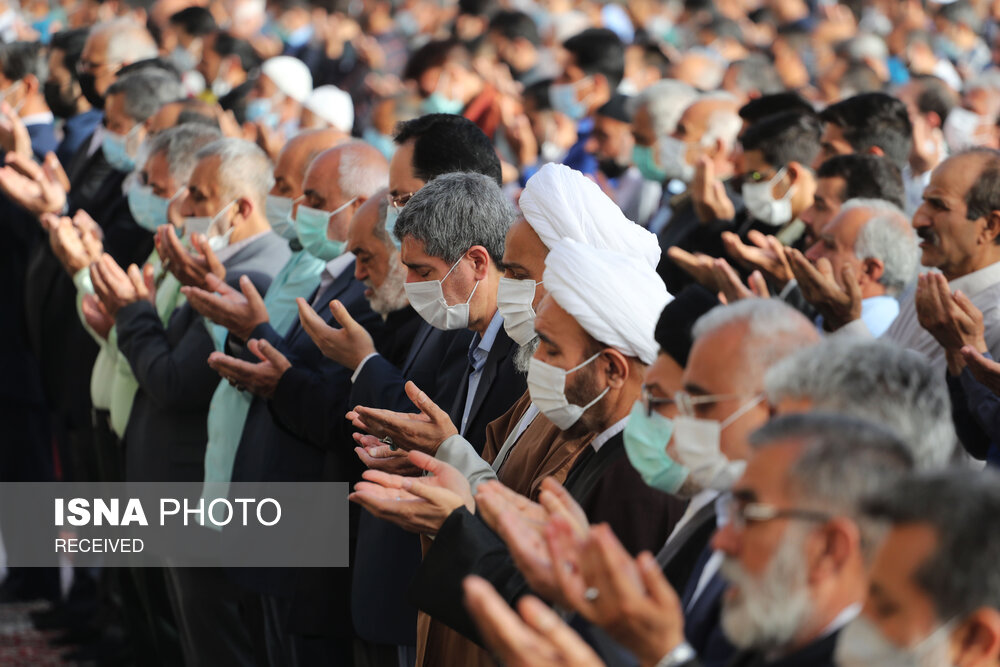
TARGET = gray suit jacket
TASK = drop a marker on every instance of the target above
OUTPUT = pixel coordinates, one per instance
(167, 430)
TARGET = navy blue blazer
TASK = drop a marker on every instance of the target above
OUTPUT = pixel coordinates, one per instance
(76, 130)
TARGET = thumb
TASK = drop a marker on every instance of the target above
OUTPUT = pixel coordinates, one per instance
(250, 292)
(340, 314)
(268, 352)
(149, 277)
(424, 402)
(851, 285)
(424, 461)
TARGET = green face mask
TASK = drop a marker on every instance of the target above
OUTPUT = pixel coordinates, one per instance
(311, 224)
(646, 439)
(642, 157)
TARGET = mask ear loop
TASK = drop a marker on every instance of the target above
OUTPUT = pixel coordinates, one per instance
(742, 410)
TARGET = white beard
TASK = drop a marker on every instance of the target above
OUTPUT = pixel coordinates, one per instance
(768, 611)
(390, 296)
(522, 357)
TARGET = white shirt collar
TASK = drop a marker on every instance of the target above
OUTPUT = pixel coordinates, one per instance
(42, 118)
(608, 433)
(977, 281)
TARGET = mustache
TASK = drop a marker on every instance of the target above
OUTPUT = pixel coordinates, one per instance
(928, 235)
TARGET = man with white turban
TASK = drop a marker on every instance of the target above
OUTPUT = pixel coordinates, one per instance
(596, 328)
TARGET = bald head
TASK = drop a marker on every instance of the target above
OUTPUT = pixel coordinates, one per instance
(295, 157)
(341, 179)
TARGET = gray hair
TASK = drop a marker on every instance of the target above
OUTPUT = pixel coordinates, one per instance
(128, 41)
(456, 211)
(244, 168)
(963, 508)
(666, 101)
(774, 330)
(181, 144)
(756, 72)
(360, 176)
(146, 91)
(722, 125)
(381, 233)
(865, 45)
(873, 380)
(889, 238)
(845, 459)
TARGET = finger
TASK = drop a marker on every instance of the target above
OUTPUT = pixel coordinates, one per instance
(383, 478)
(314, 325)
(214, 265)
(249, 290)
(655, 583)
(984, 370)
(968, 307)
(425, 404)
(268, 352)
(758, 238)
(56, 171)
(851, 284)
(501, 628)
(341, 315)
(758, 285)
(558, 501)
(215, 284)
(136, 276)
(572, 649)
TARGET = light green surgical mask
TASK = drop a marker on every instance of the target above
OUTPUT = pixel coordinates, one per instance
(311, 224)
(646, 438)
(642, 157)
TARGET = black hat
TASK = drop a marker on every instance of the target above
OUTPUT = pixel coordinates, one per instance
(673, 330)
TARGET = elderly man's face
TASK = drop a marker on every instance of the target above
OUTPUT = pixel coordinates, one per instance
(165, 118)
(715, 369)
(115, 118)
(376, 264)
(524, 257)
(321, 191)
(767, 563)
(205, 197)
(826, 205)
(897, 604)
(949, 241)
(157, 174)
(93, 60)
(836, 242)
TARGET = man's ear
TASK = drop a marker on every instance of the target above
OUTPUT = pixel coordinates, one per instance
(992, 228)
(875, 150)
(244, 207)
(977, 640)
(481, 261)
(31, 84)
(873, 269)
(617, 367)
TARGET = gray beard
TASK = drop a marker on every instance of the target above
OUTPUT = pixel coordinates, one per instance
(390, 296)
(523, 355)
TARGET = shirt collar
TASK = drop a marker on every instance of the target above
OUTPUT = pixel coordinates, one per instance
(608, 433)
(479, 348)
(977, 281)
(43, 118)
(337, 265)
(227, 253)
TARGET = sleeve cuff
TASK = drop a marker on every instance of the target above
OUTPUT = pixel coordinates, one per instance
(787, 289)
(357, 371)
(81, 279)
(680, 655)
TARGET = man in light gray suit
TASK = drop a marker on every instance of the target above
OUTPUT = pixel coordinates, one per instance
(167, 431)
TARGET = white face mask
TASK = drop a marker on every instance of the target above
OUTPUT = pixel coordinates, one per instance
(861, 644)
(762, 205)
(697, 444)
(514, 298)
(673, 159)
(202, 224)
(427, 298)
(547, 389)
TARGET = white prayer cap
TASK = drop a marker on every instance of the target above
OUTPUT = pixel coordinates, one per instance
(614, 297)
(290, 75)
(559, 202)
(332, 105)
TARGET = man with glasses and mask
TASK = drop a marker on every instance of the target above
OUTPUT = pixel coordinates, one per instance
(63, 95)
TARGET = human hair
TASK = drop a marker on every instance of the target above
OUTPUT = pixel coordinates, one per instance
(445, 143)
(514, 25)
(195, 21)
(960, 13)
(723, 125)
(844, 460)
(477, 7)
(145, 92)
(181, 145)
(19, 59)
(773, 331)
(962, 507)
(379, 231)
(859, 78)
(665, 102)
(71, 43)
(599, 51)
(226, 45)
(873, 380)
(775, 103)
(456, 211)
(864, 45)
(935, 95)
(865, 176)
(886, 236)
(434, 54)
(874, 120)
(983, 196)
(362, 171)
(784, 138)
(244, 168)
(128, 41)
(756, 73)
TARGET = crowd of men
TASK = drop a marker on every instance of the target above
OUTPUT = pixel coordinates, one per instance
(646, 333)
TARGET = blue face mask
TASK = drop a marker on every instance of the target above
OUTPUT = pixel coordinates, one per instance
(438, 103)
(562, 96)
(642, 157)
(311, 225)
(148, 210)
(646, 439)
(259, 111)
(383, 143)
(115, 149)
(279, 214)
(391, 213)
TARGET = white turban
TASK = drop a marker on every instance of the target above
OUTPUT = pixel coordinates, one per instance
(290, 75)
(559, 202)
(614, 297)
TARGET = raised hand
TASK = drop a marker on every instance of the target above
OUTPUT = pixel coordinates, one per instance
(239, 312)
(986, 371)
(190, 268)
(379, 456)
(69, 246)
(35, 188)
(423, 431)
(952, 319)
(732, 289)
(348, 345)
(708, 194)
(535, 638)
(767, 255)
(699, 266)
(838, 305)
(494, 498)
(260, 379)
(117, 288)
(96, 315)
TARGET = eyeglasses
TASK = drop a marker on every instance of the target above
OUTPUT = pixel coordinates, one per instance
(738, 512)
(399, 201)
(684, 401)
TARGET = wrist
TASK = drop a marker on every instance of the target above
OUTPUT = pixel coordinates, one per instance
(680, 654)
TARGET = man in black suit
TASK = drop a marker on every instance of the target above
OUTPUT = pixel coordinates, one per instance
(166, 434)
(793, 551)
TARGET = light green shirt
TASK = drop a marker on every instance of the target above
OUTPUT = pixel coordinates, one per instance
(228, 411)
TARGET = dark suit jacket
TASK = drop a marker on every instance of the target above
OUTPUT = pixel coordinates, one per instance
(76, 130)
(167, 430)
(817, 654)
(702, 625)
(43, 139)
(465, 545)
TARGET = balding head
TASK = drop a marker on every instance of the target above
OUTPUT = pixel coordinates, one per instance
(120, 42)
(340, 179)
(295, 157)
